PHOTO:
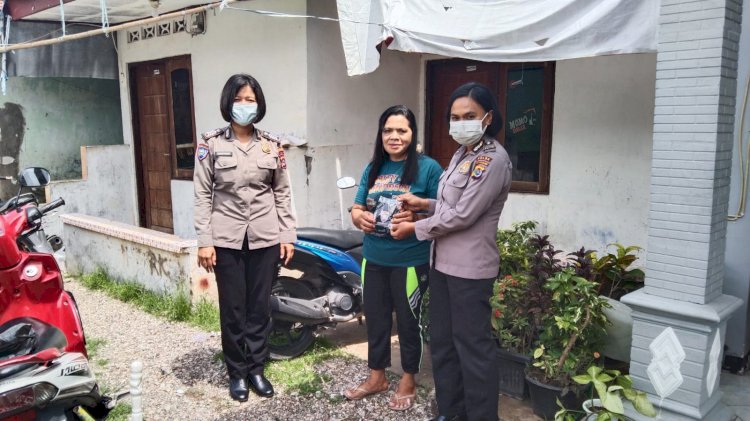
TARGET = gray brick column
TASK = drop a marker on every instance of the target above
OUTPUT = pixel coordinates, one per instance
(680, 316)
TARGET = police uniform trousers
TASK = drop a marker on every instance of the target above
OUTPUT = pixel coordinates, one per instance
(389, 288)
(244, 279)
(462, 347)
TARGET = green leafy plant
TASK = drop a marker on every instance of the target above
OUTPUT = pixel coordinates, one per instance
(614, 274)
(611, 387)
(571, 329)
(520, 299)
(514, 247)
(511, 321)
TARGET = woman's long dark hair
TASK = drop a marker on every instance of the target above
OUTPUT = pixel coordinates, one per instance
(411, 166)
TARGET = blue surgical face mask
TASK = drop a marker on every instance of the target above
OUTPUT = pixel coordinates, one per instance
(244, 114)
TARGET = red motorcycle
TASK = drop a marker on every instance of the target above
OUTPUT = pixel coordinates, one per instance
(44, 370)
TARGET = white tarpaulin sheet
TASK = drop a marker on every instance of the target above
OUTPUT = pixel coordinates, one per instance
(496, 30)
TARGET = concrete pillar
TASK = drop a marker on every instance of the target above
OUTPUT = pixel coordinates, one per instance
(680, 316)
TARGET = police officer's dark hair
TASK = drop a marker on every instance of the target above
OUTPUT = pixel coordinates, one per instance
(483, 96)
(411, 166)
(232, 87)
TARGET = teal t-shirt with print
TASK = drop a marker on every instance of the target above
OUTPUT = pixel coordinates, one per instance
(384, 250)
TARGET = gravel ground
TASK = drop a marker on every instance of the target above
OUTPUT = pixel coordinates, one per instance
(182, 379)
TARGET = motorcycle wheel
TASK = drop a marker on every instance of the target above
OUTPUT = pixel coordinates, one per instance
(288, 339)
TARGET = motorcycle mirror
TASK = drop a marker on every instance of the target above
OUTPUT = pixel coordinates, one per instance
(345, 182)
(34, 177)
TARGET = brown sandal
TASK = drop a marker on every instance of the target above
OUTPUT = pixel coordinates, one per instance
(395, 402)
(361, 391)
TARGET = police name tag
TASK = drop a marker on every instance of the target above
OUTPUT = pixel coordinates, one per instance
(224, 153)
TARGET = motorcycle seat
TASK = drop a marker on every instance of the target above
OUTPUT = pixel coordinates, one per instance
(46, 336)
(43, 336)
(340, 239)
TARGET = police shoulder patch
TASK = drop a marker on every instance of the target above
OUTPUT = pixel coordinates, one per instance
(483, 160)
(279, 149)
(478, 171)
(213, 133)
(282, 158)
(202, 152)
(480, 166)
(270, 136)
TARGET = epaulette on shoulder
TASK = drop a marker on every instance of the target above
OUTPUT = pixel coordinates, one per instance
(270, 136)
(213, 133)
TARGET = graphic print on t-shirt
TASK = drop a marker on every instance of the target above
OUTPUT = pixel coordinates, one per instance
(389, 183)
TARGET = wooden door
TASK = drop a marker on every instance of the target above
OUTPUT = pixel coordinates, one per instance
(443, 77)
(154, 141)
(164, 128)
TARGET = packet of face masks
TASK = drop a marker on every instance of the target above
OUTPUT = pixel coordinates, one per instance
(384, 211)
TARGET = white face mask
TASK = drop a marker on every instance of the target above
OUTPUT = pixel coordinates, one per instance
(467, 132)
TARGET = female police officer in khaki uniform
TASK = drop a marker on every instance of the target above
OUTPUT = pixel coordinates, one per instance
(244, 222)
(465, 260)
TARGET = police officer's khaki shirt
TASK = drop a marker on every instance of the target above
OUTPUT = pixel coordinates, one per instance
(242, 191)
(464, 217)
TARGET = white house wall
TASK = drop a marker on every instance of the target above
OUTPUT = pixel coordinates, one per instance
(270, 49)
(601, 155)
(273, 50)
(602, 126)
(342, 119)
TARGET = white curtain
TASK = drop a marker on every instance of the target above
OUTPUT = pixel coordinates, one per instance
(496, 30)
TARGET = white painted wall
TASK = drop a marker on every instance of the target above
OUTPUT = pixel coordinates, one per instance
(300, 65)
(273, 50)
(342, 119)
(182, 208)
(602, 128)
(102, 193)
(601, 155)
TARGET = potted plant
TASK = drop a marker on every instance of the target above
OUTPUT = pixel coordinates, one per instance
(610, 387)
(511, 319)
(571, 331)
(616, 277)
(514, 332)
(515, 248)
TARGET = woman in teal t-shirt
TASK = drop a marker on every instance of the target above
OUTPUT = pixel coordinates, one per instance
(394, 273)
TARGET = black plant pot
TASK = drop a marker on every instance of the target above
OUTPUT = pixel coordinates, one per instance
(544, 399)
(512, 373)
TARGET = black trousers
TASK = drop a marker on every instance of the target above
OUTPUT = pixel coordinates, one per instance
(462, 347)
(388, 288)
(244, 278)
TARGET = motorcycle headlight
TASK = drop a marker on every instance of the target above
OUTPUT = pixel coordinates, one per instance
(43, 393)
(18, 400)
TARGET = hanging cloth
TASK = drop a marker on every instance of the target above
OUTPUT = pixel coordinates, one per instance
(105, 16)
(496, 31)
(62, 16)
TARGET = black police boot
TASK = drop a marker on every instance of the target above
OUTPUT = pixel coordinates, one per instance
(238, 389)
(261, 385)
